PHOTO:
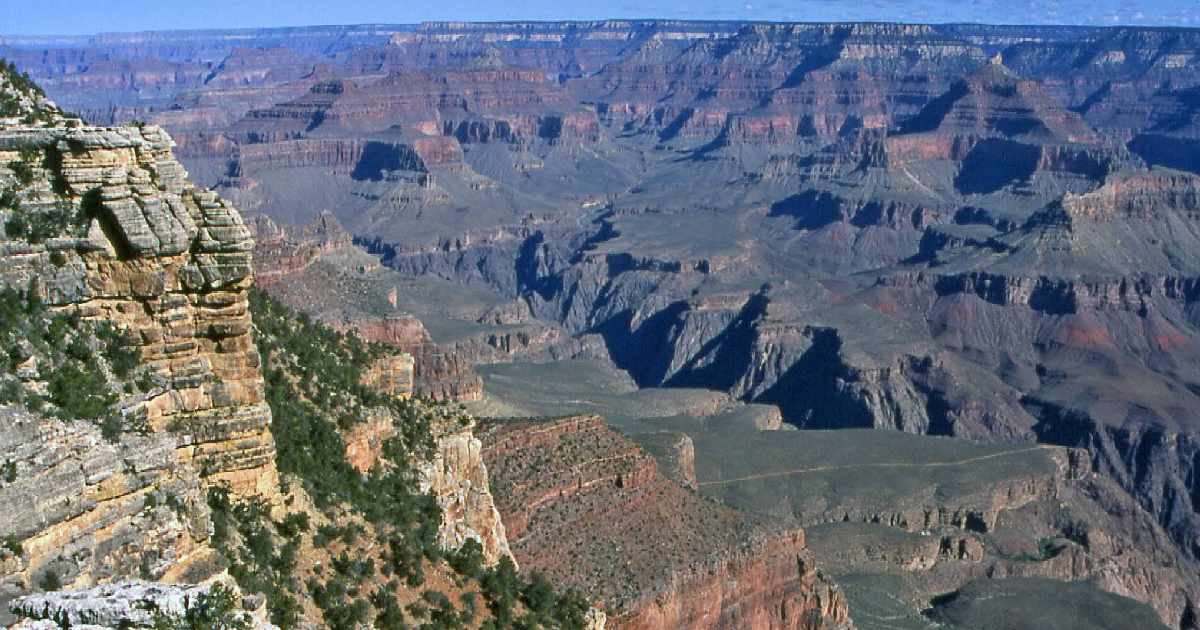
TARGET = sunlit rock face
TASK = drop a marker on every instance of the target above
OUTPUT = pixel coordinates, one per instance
(168, 266)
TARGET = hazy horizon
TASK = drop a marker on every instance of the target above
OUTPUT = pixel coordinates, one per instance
(75, 18)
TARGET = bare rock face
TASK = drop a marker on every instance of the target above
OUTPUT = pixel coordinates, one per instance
(788, 593)
(280, 251)
(676, 455)
(392, 375)
(439, 373)
(458, 477)
(169, 265)
(87, 510)
(364, 441)
(588, 507)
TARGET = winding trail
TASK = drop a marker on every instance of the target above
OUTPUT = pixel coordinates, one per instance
(799, 471)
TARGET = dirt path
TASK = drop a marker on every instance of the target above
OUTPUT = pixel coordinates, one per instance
(799, 471)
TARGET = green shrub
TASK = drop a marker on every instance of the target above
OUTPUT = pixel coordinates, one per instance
(72, 356)
(388, 614)
(22, 167)
(11, 391)
(50, 581)
(468, 560)
(121, 359)
(242, 532)
(46, 223)
(78, 392)
(292, 525)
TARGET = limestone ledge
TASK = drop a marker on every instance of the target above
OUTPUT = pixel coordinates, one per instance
(458, 477)
(129, 604)
(90, 510)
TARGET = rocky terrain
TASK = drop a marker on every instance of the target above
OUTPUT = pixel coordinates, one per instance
(181, 451)
(102, 226)
(974, 232)
(574, 493)
(317, 269)
(904, 524)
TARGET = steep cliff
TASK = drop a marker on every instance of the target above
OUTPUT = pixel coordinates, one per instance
(588, 507)
(135, 332)
(166, 264)
(86, 510)
(458, 477)
(161, 432)
(284, 258)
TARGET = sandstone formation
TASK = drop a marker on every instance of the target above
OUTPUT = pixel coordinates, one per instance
(88, 511)
(169, 265)
(440, 374)
(458, 477)
(279, 251)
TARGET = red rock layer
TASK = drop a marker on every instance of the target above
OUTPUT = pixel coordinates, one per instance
(440, 374)
(588, 507)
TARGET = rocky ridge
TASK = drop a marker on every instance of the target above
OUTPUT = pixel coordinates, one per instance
(574, 491)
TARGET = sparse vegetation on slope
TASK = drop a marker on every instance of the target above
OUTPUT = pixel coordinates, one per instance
(60, 364)
(215, 610)
(370, 546)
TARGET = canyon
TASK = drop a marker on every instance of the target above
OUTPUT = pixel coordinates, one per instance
(765, 253)
(158, 408)
(144, 438)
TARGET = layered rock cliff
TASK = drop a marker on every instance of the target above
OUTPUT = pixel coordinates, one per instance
(458, 477)
(141, 444)
(102, 229)
(587, 506)
(86, 510)
(165, 263)
(959, 230)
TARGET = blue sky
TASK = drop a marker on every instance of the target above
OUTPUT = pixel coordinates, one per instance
(70, 17)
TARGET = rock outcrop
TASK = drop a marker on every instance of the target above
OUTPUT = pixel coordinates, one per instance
(130, 604)
(86, 510)
(440, 373)
(587, 506)
(458, 477)
(169, 265)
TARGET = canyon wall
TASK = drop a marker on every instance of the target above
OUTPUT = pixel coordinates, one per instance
(587, 506)
(106, 234)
